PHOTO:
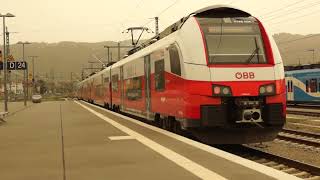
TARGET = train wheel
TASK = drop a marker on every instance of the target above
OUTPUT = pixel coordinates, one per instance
(167, 123)
(157, 120)
(163, 122)
(171, 123)
(177, 127)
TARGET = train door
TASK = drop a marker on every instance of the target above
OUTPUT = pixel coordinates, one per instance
(121, 88)
(290, 90)
(147, 72)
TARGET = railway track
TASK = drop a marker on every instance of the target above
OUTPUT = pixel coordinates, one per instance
(296, 168)
(299, 137)
(304, 113)
(304, 106)
(304, 109)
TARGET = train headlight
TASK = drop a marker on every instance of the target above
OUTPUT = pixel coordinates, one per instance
(221, 90)
(267, 90)
(225, 90)
(262, 90)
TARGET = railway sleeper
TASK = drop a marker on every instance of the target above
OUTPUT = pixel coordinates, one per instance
(262, 160)
(291, 170)
(280, 167)
(313, 178)
(302, 174)
(270, 164)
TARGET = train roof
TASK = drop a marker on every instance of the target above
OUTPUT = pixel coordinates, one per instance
(95, 75)
(235, 11)
(214, 10)
(217, 10)
(210, 11)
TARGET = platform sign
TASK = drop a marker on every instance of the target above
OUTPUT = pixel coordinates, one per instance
(17, 65)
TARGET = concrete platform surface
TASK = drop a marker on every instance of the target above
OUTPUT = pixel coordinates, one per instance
(73, 140)
(15, 107)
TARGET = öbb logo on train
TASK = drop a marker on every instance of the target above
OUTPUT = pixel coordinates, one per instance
(245, 75)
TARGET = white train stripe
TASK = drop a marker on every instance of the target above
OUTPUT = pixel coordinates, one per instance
(230, 74)
(228, 156)
(180, 160)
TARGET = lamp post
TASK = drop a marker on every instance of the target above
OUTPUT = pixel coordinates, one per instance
(25, 75)
(5, 60)
(33, 80)
(312, 50)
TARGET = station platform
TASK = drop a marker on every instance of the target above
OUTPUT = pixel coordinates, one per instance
(74, 140)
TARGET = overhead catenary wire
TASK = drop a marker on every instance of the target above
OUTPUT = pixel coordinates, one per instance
(293, 11)
(298, 39)
(283, 7)
(160, 13)
(295, 18)
(290, 23)
(163, 11)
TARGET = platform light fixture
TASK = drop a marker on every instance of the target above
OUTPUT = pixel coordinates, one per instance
(4, 16)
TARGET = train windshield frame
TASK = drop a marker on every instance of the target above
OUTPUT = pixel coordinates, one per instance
(233, 40)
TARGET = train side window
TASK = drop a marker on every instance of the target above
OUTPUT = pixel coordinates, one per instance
(115, 79)
(159, 75)
(174, 60)
(291, 86)
(307, 85)
(99, 91)
(288, 86)
(134, 88)
(106, 80)
(313, 85)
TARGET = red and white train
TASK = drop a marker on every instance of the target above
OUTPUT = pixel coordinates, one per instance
(216, 73)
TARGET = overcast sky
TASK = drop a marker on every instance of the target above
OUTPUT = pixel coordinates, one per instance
(101, 20)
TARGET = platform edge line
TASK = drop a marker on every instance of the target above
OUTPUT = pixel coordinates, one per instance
(176, 158)
(225, 155)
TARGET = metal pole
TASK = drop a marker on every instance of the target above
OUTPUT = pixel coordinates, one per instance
(118, 51)
(33, 84)
(5, 67)
(108, 55)
(157, 25)
(33, 74)
(15, 92)
(7, 54)
(25, 79)
(313, 57)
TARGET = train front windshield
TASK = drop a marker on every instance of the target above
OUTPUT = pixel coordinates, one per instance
(233, 40)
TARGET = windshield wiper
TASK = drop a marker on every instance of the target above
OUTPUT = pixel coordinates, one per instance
(254, 53)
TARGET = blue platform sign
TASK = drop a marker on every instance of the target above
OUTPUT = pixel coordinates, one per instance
(15, 65)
